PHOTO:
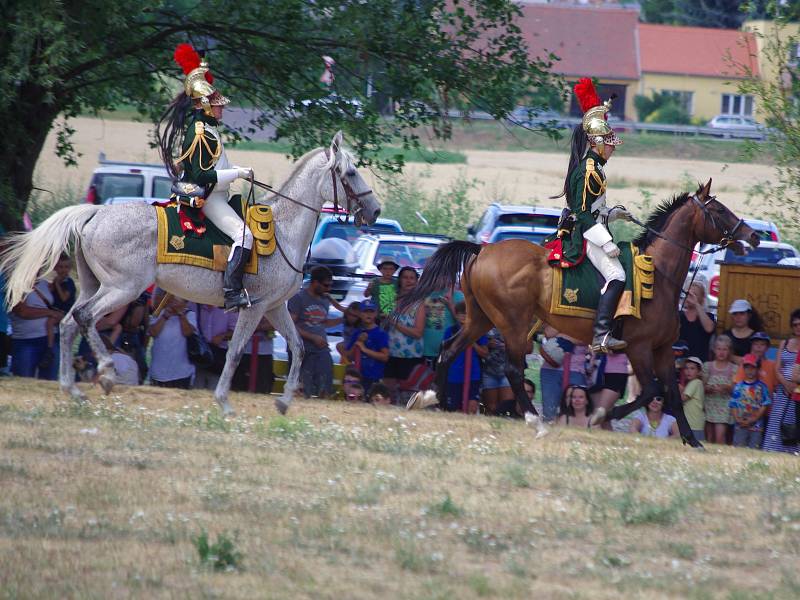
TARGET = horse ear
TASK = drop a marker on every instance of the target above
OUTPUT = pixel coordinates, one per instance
(705, 191)
(336, 143)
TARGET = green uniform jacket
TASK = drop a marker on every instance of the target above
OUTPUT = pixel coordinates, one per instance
(198, 167)
(587, 183)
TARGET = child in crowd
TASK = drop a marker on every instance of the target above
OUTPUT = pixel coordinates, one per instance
(383, 290)
(693, 395)
(576, 407)
(379, 395)
(63, 290)
(355, 393)
(759, 344)
(748, 405)
(718, 376)
(368, 346)
(456, 375)
(352, 321)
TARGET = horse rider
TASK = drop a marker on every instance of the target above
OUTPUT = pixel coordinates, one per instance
(203, 170)
(593, 143)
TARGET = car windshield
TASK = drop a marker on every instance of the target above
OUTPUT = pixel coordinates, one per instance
(407, 254)
(162, 188)
(536, 238)
(109, 185)
(350, 232)
(759, 256)
(528, 219)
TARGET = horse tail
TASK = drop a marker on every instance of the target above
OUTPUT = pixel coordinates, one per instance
(441, 272)
(28, 256)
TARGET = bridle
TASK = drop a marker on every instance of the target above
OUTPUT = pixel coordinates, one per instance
(726, 240)
(350, 195)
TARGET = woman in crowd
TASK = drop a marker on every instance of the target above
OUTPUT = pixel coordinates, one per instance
(170, 366)
(551, 374)
(576, 407)
(29, 350)
(697, 325)
(746, 321)
(654, 422)
(784, 409)
(405, 336)
(718, 376)
(611, 376)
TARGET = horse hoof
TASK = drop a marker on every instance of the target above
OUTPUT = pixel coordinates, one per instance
(107, 383)
(281, 406)
(535, 421)
(598, 417)
(226, 408)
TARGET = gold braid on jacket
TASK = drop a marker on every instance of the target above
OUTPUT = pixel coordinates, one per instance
(592, 175)
(198, 143)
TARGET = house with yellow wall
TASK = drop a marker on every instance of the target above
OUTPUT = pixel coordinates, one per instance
(701, 67)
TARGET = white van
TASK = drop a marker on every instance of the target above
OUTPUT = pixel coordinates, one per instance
(114, 179)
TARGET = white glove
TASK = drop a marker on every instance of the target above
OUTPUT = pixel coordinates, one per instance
(244, 172)
(611, 249)
(227, 176)
(619, 213)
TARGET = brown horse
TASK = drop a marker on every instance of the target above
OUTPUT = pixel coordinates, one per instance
(509, 285)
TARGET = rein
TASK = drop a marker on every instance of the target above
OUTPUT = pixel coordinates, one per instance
(726, 239)
(350, 195)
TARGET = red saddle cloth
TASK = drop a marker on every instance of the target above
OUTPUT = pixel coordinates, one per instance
(556, 256)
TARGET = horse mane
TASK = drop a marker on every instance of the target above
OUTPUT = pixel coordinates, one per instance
(658, 219)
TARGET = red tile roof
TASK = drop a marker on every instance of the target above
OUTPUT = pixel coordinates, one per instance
(696, 51)
(590, 41)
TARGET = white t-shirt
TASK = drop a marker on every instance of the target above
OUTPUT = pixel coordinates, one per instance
(29, 329)
(169, 357)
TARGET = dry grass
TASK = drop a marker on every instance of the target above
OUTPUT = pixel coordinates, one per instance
(343, 501)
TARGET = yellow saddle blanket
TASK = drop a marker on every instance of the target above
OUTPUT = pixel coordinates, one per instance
(210, 249)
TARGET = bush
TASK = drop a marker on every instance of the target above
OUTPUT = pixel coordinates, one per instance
(446, 211)
(660, 108)
(221, 555)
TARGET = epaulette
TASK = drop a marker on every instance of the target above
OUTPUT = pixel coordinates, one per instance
(199, 128)
(590, 164)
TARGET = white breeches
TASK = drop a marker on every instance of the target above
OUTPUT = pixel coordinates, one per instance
(610, 268)
(223, 216)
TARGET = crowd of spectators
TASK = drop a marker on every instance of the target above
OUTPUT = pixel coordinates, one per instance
(731, 392)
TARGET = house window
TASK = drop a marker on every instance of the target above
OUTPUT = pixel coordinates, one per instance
(737, 104)
(684, 99)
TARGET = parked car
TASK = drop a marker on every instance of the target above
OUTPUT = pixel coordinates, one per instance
(330, 227)
(126, 199)
(497, 215)
(767, 253)
(535, 117)
(735, 123)
(406, 249)
(511, 232)
(114, 179)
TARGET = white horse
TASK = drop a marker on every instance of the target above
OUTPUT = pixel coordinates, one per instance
(115, 256)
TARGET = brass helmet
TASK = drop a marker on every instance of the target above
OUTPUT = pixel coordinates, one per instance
(198, 82)
(595, 115)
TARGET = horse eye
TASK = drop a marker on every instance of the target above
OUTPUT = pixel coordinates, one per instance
(350, 173)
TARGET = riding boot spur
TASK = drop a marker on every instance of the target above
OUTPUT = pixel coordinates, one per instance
(235, 294)
(603, 341)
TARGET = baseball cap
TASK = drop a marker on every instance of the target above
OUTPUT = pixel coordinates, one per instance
(387, 261)
(760, 335)
(740, 305)
(680, 348)
(368, 305)
(695, 360)
(750, 359)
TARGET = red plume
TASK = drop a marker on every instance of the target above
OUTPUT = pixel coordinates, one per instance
(587, 95)
(209, 77)
(187, 58)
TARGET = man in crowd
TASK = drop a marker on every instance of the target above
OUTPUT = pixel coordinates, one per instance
(309, 310)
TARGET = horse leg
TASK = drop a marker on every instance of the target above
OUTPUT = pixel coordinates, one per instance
(665, 367)
(107, 299)
(282, 321)
(245, 327)
(641, 358)
(516, 345)
(446, 359)
(69, 327)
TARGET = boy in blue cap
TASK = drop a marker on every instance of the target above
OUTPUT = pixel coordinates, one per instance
(372, 343)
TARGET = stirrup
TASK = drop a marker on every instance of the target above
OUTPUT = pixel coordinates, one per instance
(243, 293)
(605, 348)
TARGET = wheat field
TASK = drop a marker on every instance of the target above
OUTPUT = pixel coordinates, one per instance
(149, 493)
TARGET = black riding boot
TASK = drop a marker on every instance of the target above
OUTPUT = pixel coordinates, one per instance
(603, 341)
(235, 294)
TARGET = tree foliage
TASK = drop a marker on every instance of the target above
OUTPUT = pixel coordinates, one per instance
(660, 107)
(66, 58)
(722, 14)
(777, 99)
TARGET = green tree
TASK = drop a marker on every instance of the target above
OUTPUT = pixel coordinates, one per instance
(777, 100)
(63, 58)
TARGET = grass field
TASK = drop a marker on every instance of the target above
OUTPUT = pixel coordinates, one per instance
(148, 493)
